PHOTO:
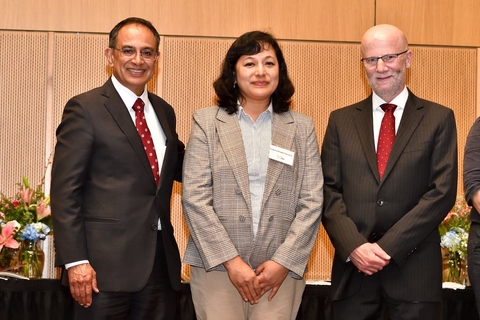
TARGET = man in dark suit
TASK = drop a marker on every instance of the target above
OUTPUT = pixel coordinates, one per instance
(110, 201)
(383, 219)
(471, 186)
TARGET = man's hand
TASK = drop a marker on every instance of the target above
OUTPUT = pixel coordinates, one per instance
(271, 276)
(476, 200)
(83, 280)
(244, 279)
(369, 258)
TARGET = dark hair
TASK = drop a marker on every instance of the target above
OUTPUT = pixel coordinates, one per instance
(112, 39)
(252, 43)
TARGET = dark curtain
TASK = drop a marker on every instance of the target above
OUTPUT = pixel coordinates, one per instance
(48, 300)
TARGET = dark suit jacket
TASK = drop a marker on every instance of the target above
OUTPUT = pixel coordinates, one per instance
(105, 204)
(471, 168)
(402, 212)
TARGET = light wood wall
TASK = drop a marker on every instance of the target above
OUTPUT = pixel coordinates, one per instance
(32, 96)
(339, 20)
(433, 22)
(65, 43)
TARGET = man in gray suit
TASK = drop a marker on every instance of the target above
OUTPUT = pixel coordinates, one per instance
(110, 200)
(383, 220)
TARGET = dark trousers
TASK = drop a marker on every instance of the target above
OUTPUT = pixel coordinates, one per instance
(156, 301)
(371, 303)
(474, 261)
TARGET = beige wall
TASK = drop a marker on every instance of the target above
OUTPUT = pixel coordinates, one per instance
(63, 47)
(339, 20)
(433, 22)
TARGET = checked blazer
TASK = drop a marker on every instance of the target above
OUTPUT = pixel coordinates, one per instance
(216, 195)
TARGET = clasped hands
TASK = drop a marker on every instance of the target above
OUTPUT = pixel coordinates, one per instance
(369, 258)
(253, 284)
(83, 280)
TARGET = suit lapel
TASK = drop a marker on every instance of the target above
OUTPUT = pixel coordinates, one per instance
(230, 136)
(120, 114)
(171, 140)
(412, 115)
(363, 120)
(283, 133)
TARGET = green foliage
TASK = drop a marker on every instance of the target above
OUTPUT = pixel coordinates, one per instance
(458, 217)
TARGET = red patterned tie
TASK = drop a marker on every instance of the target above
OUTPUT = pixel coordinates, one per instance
(386, 137)
(144, 133)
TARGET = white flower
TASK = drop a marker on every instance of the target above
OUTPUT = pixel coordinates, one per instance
(456, 241)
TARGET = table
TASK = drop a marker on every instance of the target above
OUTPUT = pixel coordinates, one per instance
(457, 304)
(47, 299)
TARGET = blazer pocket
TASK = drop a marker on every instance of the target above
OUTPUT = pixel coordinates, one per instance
(100, 223)
(414, 147)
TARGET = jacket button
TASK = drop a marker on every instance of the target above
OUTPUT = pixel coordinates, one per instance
(278, 191)
(242, 218)
(270, 218)
(154, 227)
(380, 202)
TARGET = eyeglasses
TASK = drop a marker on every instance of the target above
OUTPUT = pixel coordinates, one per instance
(130, 53)
(388, 58)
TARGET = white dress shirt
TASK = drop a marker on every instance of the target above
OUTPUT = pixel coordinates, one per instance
(378, 113)
(257, 137)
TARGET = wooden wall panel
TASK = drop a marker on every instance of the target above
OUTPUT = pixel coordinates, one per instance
(433, 22)
(23, 108)
(478, 83)
(79, 66)
(426, 22)
(342, 20)
(327, 76)
(447, 76)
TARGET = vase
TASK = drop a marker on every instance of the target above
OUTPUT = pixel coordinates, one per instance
(8, 259)
(31, 258)
(457, 271)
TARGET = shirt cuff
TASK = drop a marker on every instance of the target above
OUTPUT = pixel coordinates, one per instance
(76, 263)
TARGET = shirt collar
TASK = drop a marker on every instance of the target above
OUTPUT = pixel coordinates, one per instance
(399, 100)
(241, 111)
(127, 96)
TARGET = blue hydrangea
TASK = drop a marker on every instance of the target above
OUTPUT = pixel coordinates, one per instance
(34, 231)
(29, 233)
(456, 241)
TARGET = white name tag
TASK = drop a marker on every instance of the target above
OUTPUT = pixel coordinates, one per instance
(281, 155)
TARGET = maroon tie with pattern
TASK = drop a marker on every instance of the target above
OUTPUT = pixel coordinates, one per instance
(385, 137)
(146, 137)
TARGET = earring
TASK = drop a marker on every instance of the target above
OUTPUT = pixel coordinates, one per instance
(234, 84)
